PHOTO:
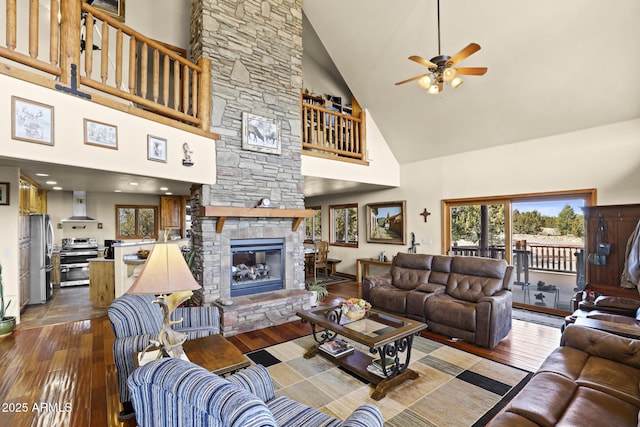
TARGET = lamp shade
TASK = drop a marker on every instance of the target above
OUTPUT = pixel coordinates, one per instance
(164, 272)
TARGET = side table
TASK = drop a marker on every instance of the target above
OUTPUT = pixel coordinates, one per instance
(364, 263)
(214, 353)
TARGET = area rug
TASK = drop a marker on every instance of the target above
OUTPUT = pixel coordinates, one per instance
(537, 317)
(455, 388)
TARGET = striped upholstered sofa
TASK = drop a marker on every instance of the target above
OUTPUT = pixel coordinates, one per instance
(136, 321)
(174, 392)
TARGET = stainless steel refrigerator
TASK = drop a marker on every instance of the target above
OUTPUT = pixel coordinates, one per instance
(40, 266)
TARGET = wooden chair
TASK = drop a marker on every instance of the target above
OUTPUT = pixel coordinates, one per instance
(322, 252)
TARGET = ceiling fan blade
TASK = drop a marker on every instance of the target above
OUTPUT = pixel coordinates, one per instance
(412, 79)
(420, 60)
(472, 71)
(464, 53)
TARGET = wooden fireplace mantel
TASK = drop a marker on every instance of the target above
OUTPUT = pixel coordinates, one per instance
(223, 212)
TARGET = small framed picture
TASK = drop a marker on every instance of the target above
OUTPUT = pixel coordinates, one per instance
(156, 149)
(4, 193)
(260, 134)
(386, 223)
(31, 121)
(100, 134)
(114, 8)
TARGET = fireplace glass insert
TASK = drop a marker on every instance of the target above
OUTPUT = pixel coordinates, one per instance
(257, 266)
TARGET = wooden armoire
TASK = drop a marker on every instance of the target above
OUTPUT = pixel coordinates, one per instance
(613, 225)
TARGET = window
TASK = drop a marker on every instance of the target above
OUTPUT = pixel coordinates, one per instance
(344, 225)
(313, 225)
(490, 223)
(136, 222)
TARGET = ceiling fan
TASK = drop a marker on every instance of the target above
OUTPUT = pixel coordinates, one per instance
(441, 67)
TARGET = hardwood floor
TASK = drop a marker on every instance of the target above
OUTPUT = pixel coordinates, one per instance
(63, 374)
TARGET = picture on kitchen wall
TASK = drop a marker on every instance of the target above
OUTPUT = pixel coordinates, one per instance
(386, 223)
(260, 134)
(4, 193)
(156, 149)
(100, 134)
(31, 121)
(113, 8)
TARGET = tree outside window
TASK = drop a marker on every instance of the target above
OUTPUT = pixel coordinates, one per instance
(313, 225)
(344, 220)
(136, 222)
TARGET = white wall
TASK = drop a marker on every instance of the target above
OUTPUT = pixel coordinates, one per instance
(606, 158)
(100, 206)
(167, 21)
(130, 157)
(9, 249)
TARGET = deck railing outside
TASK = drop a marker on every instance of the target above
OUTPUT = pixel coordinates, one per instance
(89, 49)
(332, 134)
(549, 257)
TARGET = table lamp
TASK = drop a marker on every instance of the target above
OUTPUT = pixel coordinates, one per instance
(167, 275)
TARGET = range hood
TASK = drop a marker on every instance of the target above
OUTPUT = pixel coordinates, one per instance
(79, 208)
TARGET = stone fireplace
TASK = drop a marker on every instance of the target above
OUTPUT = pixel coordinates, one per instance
(255, 49)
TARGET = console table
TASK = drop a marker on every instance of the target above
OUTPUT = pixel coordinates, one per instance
(362, 266)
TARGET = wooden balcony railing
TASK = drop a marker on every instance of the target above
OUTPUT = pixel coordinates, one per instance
(332, 134)
(558, 258)
(89, 49)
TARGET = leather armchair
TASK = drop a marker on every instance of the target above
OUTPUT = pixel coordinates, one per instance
(135, 321)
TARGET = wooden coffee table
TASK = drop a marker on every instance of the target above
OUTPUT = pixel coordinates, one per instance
(382, 333)
(214, 353)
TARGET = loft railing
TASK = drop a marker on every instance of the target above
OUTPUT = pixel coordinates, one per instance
(332, 134)
(558, 258)
(128, 65)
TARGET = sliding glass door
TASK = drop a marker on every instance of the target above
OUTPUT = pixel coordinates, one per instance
(541, 234)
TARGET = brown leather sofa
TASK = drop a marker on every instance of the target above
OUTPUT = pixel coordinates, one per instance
(468, 298)
(609, 308)
(591, 379)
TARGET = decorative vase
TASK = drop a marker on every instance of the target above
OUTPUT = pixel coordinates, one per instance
(7, 324)
(314, 299)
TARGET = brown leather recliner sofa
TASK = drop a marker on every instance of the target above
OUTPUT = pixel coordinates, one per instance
(591, 379)
(468, 298)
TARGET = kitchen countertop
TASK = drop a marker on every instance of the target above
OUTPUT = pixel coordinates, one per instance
(133, 259)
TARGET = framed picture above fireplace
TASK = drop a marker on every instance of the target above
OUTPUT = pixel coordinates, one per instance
(260, 134)
(386, 223)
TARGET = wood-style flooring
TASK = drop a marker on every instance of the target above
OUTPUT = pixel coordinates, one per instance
(63, 374)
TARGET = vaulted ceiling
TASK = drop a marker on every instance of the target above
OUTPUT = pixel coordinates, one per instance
(554, 67)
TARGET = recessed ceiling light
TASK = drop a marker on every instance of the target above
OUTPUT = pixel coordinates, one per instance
(57, 188)
(51, 182)
(42, 174)
(164, 188)
(168, 193)
(133, 183)
(117, 191)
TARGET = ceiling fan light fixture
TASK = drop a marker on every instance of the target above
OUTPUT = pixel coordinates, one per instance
(456, 82)
(433, 89)
(425, 82)
(449, 74)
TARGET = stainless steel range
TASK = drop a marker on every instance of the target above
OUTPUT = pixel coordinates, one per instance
(74, 264)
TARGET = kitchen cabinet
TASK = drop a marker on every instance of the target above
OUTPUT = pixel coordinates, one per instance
(618, 222)
(33, 199)
(55, 273)
(172, 212)
(101, 282)
(23, 248)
